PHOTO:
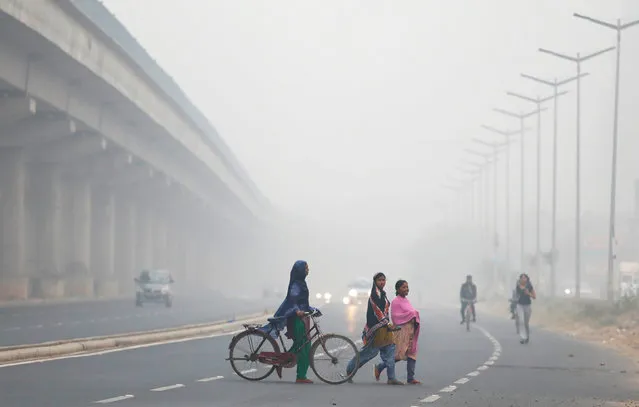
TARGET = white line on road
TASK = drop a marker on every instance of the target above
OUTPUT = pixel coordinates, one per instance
(105, 352)
(449, 389)
(171, 387)
(12, 329)
(114, 399)
(210, 379)
(430, 399)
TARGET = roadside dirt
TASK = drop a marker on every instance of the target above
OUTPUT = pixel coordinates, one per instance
(620, 333)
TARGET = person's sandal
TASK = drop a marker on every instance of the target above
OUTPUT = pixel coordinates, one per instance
(395, 382)
(304, 381)
(376, 372)
(414, 382)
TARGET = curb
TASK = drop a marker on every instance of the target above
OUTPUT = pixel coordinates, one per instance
(38, 302)
(92, 344)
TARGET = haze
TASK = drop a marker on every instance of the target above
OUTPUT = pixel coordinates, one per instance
(349, 115)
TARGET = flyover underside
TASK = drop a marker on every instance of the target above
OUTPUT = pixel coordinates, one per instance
(82, 211)
(82, 225)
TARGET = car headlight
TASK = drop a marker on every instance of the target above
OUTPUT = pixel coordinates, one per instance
(346, 300)
(567, 291)
(353, 293)
(327, 296)
(318, 296)
(164, 290)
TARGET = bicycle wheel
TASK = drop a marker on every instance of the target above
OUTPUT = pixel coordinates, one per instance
(336, 346)
(243, 348)
(468, 314)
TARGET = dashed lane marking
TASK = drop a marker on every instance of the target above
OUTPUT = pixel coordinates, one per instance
(210, 379)
(431, 399)
(494, 357)
(114, 399)
(171, 387)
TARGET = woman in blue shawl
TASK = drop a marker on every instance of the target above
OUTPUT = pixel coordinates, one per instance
(292, 312)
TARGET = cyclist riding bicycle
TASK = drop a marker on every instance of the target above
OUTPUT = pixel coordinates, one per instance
(467, 296)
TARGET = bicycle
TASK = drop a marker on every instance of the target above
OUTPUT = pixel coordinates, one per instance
(276, 360)
(468, 312)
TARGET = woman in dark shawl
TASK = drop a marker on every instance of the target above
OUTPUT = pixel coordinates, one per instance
(292, 316)
(377, 336)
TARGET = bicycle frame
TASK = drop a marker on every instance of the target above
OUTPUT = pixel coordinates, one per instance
(313, 333)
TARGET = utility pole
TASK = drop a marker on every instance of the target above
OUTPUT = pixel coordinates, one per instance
(522, 117)
(507, 135)
(538, 101)
(613, 187)
(495, 238)
(555, 85)
(577, 60)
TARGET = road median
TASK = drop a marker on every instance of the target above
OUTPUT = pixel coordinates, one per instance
(19, 353)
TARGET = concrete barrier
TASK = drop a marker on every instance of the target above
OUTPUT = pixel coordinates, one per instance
(92, 344)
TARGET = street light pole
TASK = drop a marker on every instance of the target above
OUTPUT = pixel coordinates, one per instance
(613, 187)
(507, 135)
(538, 101)
(577, 60)
(495, 239)
(555, 85)
(521, 117)
(485, 167)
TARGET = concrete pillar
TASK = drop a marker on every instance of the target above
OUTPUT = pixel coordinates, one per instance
(144, 238)
(125, 243)
(14, 284)
(160, 242)
(79, 279)
(47, 231)
(103, 242)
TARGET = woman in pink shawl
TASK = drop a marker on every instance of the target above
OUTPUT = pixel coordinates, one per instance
(405, 317)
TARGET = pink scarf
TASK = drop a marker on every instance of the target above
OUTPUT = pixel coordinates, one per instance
(403, 312)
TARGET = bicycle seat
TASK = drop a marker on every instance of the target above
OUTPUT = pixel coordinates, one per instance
(275, 319)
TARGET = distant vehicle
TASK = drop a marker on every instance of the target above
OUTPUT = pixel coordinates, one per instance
(358, 291)
(154, 286)
(586, 291)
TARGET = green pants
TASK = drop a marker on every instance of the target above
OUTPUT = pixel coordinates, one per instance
(299, 331)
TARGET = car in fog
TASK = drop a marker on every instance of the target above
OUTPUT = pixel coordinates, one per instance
(358, 291)
(154, 286)
(586, 290)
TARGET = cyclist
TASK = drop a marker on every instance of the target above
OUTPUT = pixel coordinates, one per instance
(467, 296)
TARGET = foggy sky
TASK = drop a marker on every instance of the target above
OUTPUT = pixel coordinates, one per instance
(342, 108)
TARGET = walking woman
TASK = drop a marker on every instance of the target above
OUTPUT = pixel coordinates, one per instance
(292, 313)
(525, 295)
(405, 317)
(377, 335)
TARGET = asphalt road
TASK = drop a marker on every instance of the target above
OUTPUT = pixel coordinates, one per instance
(550, 371)
(40, 323)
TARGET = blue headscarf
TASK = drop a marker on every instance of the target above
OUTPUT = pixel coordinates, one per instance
(297, 292)
(296, 299)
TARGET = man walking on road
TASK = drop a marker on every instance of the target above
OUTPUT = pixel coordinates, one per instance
(525, 295)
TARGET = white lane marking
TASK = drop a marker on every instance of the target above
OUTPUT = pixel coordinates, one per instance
(114, 399)
(495, 355)
(105, 352)
(171, 387)
(210, 379)
(430, 399)
(16, 328)
(247, 371)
